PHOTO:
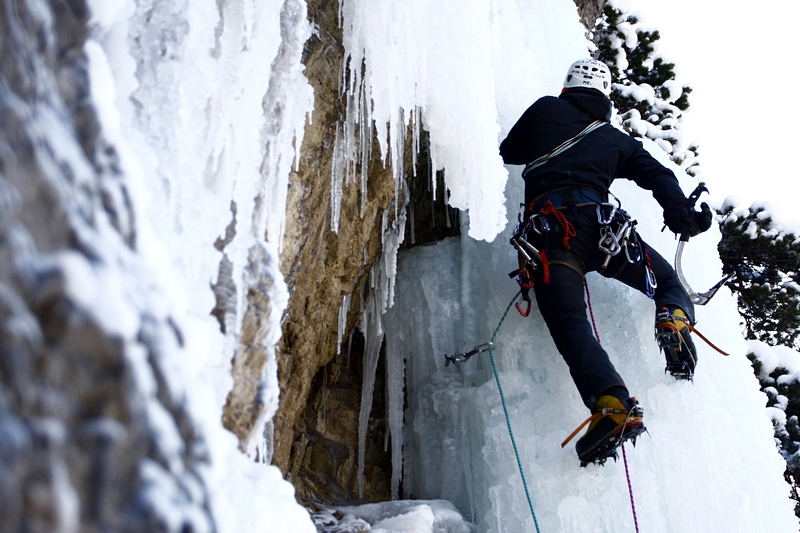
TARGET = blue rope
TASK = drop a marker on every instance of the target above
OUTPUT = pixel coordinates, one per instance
(505, 410)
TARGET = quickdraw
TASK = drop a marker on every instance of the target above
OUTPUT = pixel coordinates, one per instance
(461, 357)
(488, 347)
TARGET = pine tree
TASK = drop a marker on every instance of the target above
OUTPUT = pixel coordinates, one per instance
(766, 264)
(783, 395)
(649, 100)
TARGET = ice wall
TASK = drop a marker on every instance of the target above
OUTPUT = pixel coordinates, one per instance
(709, 462)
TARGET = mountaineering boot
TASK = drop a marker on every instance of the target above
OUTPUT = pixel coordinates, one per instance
(675, 340)
(614, 421)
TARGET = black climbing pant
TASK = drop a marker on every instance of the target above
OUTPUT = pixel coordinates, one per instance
(562, 304)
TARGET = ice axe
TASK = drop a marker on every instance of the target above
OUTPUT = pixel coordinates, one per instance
(696, 298)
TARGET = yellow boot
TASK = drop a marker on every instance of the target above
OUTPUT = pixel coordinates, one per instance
(614, 421)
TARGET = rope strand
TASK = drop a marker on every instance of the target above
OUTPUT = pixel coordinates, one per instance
(505, 411)
(591, 311)
(630, 487)
(622, 444)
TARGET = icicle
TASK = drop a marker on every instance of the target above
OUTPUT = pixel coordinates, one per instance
(398, 167)
(367, 132)
(415, 119)
(372, 328)
(447, 215)
(433, 172)
(337, 175)
(268, 442)
(379, 297)
(433, 210)
(343, 310)
(349, 351)
(393, 237)
(353, 118)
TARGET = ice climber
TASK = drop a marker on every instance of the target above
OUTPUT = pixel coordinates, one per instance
(572, 154)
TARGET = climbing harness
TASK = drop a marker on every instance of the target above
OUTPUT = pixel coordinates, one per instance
(457, 358)
(696, 298)
(617, 234)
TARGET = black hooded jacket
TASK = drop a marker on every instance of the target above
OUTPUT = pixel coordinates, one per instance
(599, 158)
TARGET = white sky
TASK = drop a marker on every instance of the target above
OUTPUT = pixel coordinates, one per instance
(738, 58)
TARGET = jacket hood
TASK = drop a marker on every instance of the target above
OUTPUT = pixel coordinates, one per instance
(590, 101)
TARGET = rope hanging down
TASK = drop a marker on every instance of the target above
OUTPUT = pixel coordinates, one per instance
(622, 445)
(505, 411)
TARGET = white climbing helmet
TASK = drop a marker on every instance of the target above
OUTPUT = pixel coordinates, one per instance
(589, 73)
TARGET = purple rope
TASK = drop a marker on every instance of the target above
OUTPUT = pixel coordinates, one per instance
(630, 487)
(591, 312)
(622, 445)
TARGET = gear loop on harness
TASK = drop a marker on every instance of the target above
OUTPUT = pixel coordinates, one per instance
(529, 257)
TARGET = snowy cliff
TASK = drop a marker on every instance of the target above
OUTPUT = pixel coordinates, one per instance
(202, 207)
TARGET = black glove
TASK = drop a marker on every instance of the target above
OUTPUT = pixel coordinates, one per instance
(682, 219)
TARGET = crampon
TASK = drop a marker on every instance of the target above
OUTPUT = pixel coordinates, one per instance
(674, 339)
(613, 422)
(607, 447)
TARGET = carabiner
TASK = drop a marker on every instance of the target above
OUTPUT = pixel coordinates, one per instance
(608, 241)
(637, 252)
(650, 282)
(539, 223)
(602, 218)
(527, 310)
(523, 280)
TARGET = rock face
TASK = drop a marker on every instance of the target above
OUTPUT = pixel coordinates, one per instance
(316, 428)
(589, 11)
(321, 268)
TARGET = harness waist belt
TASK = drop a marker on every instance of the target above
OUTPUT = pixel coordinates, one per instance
(571, 196)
